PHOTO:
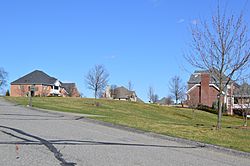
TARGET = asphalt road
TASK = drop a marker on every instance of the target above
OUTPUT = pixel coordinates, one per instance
(30, 137)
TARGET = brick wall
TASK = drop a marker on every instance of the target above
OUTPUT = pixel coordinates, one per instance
(204, 94)
(22, 90)
(41, 90)
(193, 96)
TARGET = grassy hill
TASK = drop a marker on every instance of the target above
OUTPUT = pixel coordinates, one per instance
(179, 122)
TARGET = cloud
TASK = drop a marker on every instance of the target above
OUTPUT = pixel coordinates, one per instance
(180, 21)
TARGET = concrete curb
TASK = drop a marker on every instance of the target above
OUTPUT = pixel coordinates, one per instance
(175, 139)
(86, 118)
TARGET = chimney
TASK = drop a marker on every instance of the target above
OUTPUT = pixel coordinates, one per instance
(204, 97)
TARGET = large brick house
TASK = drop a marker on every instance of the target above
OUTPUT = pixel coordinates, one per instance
(203, 89)
(43, 85)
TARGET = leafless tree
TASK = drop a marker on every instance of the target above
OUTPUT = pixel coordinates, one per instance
(3, 78)
(151, 94)
(155, 98)
(112, 90)
(222, 47)
(130, 85)
(168, 100)
(97, 79)
(81, 95)
(176, 88)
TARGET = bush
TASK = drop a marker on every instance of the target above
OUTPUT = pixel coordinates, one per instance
(206, 109)
(216, 107)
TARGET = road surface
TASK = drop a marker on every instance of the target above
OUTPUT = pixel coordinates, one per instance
(30, 137)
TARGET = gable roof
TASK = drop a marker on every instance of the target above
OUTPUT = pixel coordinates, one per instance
(68, 86)
(35, 77)
(242, 91)
(122, 93)
(195, 78)
(162, 101)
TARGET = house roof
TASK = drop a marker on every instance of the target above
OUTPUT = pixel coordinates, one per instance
(162, 101)
(242, 91)
(68, 86)
(122, 93)
(35, 77)
(139, 100)
(195, 78)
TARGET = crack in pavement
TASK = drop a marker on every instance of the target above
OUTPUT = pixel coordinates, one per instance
(58, 155)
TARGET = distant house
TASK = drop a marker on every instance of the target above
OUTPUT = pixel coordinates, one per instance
(242, 97)
(121, 93)
(203, 89)
(165, 101)
(43, 84)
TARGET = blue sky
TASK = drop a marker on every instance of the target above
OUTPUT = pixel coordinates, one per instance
(138, 40)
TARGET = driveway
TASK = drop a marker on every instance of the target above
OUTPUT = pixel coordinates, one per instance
(30, 137)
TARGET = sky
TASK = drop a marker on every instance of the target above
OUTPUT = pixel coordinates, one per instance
(142, 41)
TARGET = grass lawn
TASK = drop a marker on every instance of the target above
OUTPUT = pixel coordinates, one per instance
(178, 122)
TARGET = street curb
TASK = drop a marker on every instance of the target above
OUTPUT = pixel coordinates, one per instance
(155, 135)
(175, 139)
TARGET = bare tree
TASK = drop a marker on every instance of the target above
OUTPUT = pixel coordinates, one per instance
(151, 94)
(176, 88)
(155, 98)
(112, 90)
(130, 85)
(97, 79)
(222, 47)
(3, 78)
(168, 100)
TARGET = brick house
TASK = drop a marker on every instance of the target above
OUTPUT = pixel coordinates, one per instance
(203, 89)
(43, 84)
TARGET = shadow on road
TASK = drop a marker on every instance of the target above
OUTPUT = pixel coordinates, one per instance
(57, 154)
(29, 139)
(80, 142)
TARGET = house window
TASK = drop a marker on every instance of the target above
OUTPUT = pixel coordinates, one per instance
(56, 87)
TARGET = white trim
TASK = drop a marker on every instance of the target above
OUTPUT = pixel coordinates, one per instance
(216, 87)
(57, 83)
(213, 85)
(193, 88)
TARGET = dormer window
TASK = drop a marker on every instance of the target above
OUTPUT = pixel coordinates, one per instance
(56, 87)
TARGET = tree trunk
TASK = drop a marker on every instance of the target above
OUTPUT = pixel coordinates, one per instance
(219, 112)
(95, 94)
(218, 127)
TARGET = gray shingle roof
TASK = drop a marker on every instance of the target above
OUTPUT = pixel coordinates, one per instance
(68, 86)
(242, 91)
(196, 77)
(35, 77)
(122, 93)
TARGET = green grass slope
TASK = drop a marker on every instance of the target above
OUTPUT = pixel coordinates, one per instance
(178, 122)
